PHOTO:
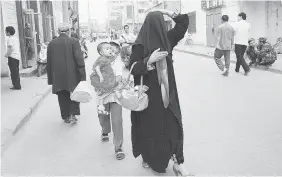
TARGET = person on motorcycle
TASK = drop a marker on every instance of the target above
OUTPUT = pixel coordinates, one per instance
(127, 38)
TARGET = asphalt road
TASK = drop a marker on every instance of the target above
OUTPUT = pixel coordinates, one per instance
(232, 126)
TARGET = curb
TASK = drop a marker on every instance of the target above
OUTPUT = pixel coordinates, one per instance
(37, 100)
(277, 71)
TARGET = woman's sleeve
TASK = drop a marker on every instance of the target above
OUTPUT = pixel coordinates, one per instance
(140, 68)
(48, 67)
(177, 33)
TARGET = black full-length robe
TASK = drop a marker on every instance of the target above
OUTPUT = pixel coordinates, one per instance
(157, 132)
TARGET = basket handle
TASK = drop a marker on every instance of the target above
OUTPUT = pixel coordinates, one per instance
(130, 71)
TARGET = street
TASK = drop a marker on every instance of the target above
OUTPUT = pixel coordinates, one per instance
(232, 126)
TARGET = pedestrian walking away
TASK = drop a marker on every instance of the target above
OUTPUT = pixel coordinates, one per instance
(157, 132)
(107, 76)
(242, 32)
(224, 42)
(65, 69)
(13, 55)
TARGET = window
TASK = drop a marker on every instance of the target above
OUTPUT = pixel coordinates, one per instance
(192, 23)
(209, 4)
(141, 10)
(129, 12)
(204, 4)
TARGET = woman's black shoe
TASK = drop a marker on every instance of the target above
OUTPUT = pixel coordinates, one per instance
(14, 88)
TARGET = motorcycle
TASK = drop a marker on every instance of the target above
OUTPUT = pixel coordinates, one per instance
(189, 40)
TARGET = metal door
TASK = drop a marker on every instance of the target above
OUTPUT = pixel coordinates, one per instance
(49, 27)
(47, 20)
(209, 30)
(213, 20)
(216, 23)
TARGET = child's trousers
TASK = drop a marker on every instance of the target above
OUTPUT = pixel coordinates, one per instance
(114, 116)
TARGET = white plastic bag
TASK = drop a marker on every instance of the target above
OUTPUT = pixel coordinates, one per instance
(82, 93)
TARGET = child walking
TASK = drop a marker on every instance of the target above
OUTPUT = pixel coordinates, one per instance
(109, 71)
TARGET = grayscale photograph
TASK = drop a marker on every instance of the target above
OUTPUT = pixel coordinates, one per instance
(141, 87)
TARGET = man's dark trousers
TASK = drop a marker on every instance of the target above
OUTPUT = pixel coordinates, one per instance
(67, 106)
(240, 51)
(14, 69)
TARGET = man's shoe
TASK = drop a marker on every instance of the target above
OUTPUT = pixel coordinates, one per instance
(67, 120)
(14, 88)
(73, 119)
(247, 73)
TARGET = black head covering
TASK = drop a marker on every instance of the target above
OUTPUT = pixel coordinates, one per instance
(153, 34)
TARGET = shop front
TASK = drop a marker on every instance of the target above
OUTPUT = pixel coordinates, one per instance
(8, 18)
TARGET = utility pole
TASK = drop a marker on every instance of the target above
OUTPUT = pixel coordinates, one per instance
(137, 15)
(89, 20)
(133, 14)
(180, 6)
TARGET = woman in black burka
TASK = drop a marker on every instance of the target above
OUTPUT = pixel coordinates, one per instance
(157, 132)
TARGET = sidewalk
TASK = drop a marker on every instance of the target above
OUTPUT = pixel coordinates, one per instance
(209, 52)
(18, 106)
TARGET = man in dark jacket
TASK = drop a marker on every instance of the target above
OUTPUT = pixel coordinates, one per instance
(65, 69)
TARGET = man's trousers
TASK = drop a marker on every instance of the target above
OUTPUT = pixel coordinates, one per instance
(67, 106)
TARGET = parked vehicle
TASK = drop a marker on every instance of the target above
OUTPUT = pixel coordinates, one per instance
(188, 40)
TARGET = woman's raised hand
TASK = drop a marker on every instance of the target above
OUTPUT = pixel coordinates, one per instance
(164, 12)
(157, 55)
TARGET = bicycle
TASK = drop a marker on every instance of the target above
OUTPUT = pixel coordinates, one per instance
(189, 40)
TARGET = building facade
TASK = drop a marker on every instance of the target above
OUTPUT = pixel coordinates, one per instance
(130, 12)
(172, 5)
(43, 18)
(265, 17)
(197, 21)
(9, 17)
(117, 13)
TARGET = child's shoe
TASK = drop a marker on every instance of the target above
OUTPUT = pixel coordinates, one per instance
(101, 110)
(120, 154)
(105, 137)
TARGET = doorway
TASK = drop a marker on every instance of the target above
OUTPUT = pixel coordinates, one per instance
(30, 37)
(213, 18)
